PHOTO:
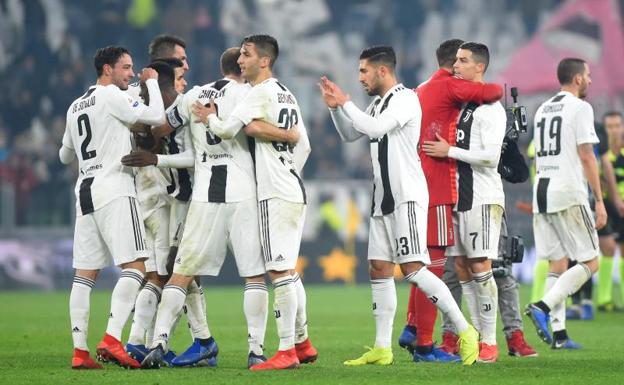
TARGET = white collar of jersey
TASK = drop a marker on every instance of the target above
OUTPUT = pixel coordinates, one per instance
(391, 91)
(567, 93)
(268, 80)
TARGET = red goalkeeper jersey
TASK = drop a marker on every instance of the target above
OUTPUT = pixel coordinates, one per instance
(441, 98)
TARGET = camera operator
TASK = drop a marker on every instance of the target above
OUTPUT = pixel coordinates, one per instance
(513, 168)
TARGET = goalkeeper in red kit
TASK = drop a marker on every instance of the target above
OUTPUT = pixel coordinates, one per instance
(441, 98)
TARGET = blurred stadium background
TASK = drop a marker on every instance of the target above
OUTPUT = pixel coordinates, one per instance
(46, 49)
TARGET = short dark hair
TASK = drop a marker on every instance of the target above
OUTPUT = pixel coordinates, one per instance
(612, 114)
(172, 61)
(265, 45)
(166, 76)
(229, 62)
(162, 46)
(480, 52)
(380, 54)
(568, 68)
(447, 52)
(107, 55)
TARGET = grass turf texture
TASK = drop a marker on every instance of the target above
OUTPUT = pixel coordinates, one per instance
(36, 346)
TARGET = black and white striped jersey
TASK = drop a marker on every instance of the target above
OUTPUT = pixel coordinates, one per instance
(480, 133)
(97, 130)
(224, 170)
(397, 171)
(180, 179)
(561, 124)
(277, 165)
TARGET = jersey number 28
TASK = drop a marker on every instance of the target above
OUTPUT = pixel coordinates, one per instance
(286, 119)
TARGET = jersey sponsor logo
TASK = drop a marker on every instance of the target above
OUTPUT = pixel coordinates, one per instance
(135, 104)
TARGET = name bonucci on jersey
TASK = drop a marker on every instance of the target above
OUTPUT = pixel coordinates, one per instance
(97, 130)
(224, 170)
(561, 124)
(181, 183)
(276, 168)
(480, 128)
(397, 172)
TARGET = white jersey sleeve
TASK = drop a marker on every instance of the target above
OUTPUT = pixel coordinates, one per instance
(252, 106)
(130, 111)
(584, 122)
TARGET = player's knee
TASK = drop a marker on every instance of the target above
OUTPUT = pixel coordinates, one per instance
(180, 280)
(592, 265)
(255, 279)
(90, 274)
(137, 265)
(380, 269)
(410, 267)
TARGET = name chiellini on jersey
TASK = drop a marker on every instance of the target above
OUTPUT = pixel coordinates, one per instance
(224, 170)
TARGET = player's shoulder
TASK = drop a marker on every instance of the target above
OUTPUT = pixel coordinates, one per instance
(405, 94)
(490, 108)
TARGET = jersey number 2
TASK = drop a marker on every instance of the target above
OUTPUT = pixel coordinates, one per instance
(84, 128)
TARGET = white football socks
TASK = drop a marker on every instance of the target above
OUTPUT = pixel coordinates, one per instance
(122, 300)
(487, 298)
(256, 308)
(79, 307)
(469, 291)
(173, 298)
(144, 313)
(384, 309)
(440, 295)
(195, 311)
(567, 284)
(557, 312)
(285, 307)
(301, 322)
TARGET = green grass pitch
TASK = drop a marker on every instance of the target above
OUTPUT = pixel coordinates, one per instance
(35, 342)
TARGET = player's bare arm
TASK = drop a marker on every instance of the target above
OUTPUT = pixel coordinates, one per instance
(139, 158)
(590, 167)
(436, 148)
(262, 130)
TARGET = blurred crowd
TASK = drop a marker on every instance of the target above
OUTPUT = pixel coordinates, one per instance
(46, 49)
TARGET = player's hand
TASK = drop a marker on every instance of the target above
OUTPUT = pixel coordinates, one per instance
(328, 97)
(293, 136)
(436, 149)
(332, 94)
(148, 73)
(139, 158)
(202, 111)
(601, 215)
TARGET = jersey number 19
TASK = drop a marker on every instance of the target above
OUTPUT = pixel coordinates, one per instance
(554, 137)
